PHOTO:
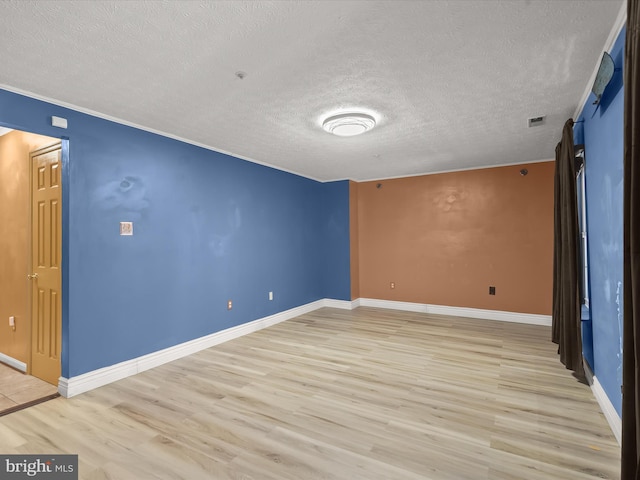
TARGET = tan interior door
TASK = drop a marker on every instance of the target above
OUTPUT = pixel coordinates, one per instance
(46, 261)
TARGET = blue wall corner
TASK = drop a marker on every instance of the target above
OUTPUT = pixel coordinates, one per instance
(336, 273)
(602, 135)
(208, 227)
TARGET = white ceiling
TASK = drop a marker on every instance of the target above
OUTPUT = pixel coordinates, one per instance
(452, 82)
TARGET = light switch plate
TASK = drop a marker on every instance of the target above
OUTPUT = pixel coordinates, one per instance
(126, 228)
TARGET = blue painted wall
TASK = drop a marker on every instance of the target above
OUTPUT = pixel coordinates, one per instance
(336, 270)
(602, 135)
(208, 227)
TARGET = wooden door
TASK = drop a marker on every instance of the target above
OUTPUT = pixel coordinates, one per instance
(46, 263)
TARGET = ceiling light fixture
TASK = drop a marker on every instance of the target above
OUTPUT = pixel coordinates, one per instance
(349, 124)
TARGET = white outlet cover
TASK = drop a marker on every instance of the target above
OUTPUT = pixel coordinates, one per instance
(126, 228)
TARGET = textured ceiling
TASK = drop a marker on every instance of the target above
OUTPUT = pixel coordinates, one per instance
(452, 83)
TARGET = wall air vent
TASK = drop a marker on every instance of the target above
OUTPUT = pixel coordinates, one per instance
(536, 121)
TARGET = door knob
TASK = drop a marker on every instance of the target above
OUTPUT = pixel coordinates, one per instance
(33, 275)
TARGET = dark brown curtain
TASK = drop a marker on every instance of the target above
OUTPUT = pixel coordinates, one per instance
(566, 328)
(631, 351)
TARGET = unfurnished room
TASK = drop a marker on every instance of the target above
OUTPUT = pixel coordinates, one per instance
(295, 240)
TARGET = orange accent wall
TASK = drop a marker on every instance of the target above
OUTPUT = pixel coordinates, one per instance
(444, 239)
(14, 239)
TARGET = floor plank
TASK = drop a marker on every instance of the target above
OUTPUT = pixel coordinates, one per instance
(334, 394)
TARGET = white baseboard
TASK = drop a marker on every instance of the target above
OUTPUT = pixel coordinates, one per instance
(606, 406)
(68, 387)
(587, 372)
(500, 315)
(12, 362)
(393, 305)
(343, 304)
(609, 411)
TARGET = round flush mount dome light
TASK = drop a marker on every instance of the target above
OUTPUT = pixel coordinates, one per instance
(349, 124)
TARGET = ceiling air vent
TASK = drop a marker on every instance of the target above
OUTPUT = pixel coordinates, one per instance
(536, 121)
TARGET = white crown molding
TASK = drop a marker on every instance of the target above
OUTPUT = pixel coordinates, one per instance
(530, 318)
(621, 19)
(12, 362)
(609, 411)
(103, 116)
(467, 169)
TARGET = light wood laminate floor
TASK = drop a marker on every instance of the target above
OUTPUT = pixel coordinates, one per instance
(364, 394)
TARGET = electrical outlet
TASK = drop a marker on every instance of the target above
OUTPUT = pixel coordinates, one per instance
(392, 285)
(229, 305)
(12, 322)
(492, 290)
(270, 295)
